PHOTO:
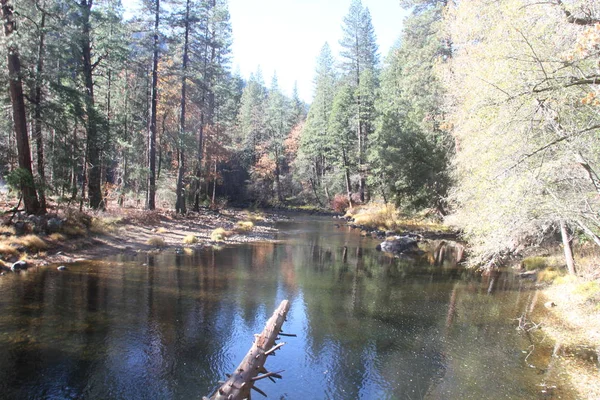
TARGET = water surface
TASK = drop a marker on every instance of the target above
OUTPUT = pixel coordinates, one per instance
(369, 326)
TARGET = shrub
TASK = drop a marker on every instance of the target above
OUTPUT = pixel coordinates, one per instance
(190, 239)
(340, 203)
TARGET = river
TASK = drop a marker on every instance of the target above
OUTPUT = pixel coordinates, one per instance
(368, 325)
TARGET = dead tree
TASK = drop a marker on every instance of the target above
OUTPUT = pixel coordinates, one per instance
(252, 368)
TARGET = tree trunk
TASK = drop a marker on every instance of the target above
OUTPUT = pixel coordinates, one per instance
(242, 381)
(93, 139)
(151, 198)
(39, 141)
(180, 205)
(32, 205)
(567, 248)
(347, 176)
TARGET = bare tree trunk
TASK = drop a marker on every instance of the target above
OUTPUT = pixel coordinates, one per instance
(151, 198)
(347, 175)
(93, 139)
(245, 376)
(180, 205)
(567, 248)
(32, 205)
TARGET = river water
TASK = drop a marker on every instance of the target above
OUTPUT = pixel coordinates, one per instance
(369, 326)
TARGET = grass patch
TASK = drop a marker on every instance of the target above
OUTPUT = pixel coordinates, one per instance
(253, 216)
(188, 251)
(8, 250)
(162, 230)
(531, 263)
(103, 225)
(590, 291)
(156, 241)
(387, 217)
(243, 226)
(7, 230)
(548, 275)
(32, 242)
(190, 239)
(57, 237)
(220, 234)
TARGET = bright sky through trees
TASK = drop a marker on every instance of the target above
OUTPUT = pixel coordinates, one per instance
(286, 36)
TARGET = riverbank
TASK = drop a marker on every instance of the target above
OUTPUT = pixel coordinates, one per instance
(572, 322)
(86, 236)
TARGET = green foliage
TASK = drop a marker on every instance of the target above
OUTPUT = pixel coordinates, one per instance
(18, 178)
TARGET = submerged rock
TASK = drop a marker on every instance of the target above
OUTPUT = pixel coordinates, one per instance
(400, 244)
(19, 266)
(62, 268)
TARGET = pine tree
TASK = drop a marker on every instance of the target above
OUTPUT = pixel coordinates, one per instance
(359, 54)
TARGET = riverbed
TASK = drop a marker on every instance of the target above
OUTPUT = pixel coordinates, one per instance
(369, 325)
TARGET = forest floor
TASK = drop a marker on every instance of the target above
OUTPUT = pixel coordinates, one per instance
(99, 234)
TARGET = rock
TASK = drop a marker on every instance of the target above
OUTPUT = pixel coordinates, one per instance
(62, 268)
(550, 304)
(2, 273)
(400, 244)
(54, 225)
(20, 228)
(19, 266)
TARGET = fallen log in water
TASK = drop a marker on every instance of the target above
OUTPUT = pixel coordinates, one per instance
(241, 382)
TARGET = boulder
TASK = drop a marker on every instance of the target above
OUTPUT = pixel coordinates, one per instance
(62, 268)
(19, 266)
(400, 244)
(54, 225)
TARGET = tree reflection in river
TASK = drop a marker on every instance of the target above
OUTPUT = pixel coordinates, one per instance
(170, 325)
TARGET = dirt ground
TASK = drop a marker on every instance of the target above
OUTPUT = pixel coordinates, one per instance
(131, 230)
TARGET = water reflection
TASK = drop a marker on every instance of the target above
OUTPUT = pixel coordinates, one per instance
(169, 326)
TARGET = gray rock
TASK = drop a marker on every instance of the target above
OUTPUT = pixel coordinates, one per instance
(19, 266)
(400, 244)
(20, 228)
(54, 225)
(62, 268)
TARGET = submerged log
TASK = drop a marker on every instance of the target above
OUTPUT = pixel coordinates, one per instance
(241, 382)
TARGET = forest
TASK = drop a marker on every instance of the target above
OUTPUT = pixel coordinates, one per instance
(485, 113)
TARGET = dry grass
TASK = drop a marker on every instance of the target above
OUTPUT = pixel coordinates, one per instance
(387, 217)
(32, 242)
(7, 250)
(220, 234)
(57, 237)
(74, 230)
(188, 251)
(7, 230)
(162, 230)
(243, 226)
(104, 225)
(156, 241)
(253, 216)
(190, 239)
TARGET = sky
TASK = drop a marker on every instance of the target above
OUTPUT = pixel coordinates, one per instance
(286, 36)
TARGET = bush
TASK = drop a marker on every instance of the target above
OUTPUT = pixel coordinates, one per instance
(340, 203)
